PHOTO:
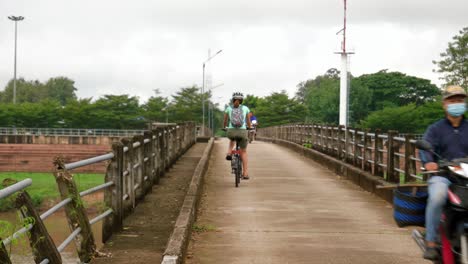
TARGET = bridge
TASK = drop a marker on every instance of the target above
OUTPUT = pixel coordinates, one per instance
(312, 198)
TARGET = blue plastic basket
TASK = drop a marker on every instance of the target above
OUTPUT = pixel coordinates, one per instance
(409, 209)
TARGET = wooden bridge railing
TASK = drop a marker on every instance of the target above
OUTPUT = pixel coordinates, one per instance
(390, 156)
(135, 164)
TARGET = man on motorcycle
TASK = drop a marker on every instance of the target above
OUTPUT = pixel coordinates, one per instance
(449, 138)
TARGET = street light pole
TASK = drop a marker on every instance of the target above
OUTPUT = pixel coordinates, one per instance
(210, 110)
(203, 91)
(15, 19)
(203, 101)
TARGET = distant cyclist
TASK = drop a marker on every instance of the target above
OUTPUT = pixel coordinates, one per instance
(253, 120)
(238, 116)
(253, 132)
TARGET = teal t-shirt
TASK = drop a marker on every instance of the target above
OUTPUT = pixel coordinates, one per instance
(245, 110)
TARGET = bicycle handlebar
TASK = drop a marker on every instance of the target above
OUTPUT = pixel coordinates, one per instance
(225, 129)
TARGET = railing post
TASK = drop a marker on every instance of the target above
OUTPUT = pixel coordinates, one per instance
(340, 136)
(129, 177)
(348, 146)
(327, 139)
(174, 145)
(367, 154)
(137, 168)
(170, 146)
(304, 138)
(147, 162)
(297, 138)
(331, 140)
(356, 147)
(313, 136)
(162, 152)
(291, 133)
(410, 163)
(318, 130)
(167, 144)
(113, 196)
(391, 175)
(378, 155)
(41, 243)
(76, 214)
(4, 257)
(156, 156)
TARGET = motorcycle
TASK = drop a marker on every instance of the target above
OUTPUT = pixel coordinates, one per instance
(453, 228)
(253, 132)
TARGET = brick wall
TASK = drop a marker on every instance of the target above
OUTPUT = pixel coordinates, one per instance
(39, 157)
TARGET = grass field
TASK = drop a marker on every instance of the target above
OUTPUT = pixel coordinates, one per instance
(44, 186)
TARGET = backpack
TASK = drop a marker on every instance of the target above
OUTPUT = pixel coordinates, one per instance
(237, 117)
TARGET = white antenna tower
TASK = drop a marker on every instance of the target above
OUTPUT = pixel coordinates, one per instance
(344, 88)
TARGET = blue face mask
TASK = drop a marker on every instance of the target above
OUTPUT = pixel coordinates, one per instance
(456, 110)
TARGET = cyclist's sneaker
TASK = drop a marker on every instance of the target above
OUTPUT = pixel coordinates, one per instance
(228, 157)
(431, 253)
(245, 177)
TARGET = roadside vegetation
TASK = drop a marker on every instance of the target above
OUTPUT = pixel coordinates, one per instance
(44, 189)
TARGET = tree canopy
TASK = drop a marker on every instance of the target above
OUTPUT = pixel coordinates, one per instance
(61, 89)
(368, 93)
(454, 61)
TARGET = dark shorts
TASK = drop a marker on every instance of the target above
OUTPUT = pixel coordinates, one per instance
(235, 133)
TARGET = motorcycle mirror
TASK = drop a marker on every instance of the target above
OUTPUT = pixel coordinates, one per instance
(423, 145)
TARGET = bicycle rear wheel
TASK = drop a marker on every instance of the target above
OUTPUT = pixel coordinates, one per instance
(237, 175)
(235, 169)
(239, 169)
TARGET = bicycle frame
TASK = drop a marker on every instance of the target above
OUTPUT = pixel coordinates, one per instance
(236, 164)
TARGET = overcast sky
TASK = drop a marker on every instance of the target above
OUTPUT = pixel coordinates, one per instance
(134, 47)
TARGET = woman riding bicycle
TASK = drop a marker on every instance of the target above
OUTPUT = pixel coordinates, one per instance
(239, 119)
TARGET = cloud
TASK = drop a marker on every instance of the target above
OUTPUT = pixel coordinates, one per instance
(135, 47)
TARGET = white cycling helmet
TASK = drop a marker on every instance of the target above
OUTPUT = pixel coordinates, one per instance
(237, 96)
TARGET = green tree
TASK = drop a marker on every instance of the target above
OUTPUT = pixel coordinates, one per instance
(186, 105)
(322, 99)
(155, 108)
(8, 115)
(61, 89)
(303, 88)
(80, 114)
(359, 101)
(278, 109)
(392, 89)
(454, 61)
(26, 91)
(251, 101)
(406, 119)
(119, 112)
(46, 113)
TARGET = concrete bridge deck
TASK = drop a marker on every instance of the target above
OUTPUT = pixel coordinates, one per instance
(292, 210)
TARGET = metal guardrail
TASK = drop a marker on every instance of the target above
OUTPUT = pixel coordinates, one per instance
(391, 156)
(134, 166)
(70, 131)
(15, 188)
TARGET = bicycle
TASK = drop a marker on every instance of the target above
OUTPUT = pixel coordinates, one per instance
(236, 161)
